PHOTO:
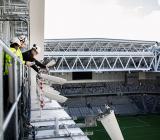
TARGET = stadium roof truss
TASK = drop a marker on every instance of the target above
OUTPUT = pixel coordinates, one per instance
(103, 55)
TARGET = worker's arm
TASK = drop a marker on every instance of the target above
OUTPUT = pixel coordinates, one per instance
(39, 64)
(35, 68)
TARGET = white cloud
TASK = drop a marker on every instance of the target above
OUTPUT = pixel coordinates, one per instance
(98, 18)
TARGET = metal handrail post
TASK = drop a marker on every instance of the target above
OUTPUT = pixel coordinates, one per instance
(1, 93)
(15, 96)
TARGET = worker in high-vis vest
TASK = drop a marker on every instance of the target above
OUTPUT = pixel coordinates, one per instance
(8, 72)
(15, 47)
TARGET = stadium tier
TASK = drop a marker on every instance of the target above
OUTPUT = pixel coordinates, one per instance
(122, 105)
(105, 88)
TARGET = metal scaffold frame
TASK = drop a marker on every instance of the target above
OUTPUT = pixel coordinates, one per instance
(14, 19)
(18, 8)
(103, 55)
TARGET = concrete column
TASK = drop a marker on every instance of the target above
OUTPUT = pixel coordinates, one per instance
(36, 35)
(142, 75)
(37, 24)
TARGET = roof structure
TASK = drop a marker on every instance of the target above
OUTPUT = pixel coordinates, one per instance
(100, 54)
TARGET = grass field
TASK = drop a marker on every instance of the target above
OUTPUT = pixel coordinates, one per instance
(133, 128)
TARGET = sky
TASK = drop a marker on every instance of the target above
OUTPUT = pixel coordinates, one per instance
(117, 19)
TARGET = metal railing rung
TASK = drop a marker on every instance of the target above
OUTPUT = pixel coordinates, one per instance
(10, 114)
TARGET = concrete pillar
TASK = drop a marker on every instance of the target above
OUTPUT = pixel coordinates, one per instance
(142, 75)
(36, 35)
(37, 24)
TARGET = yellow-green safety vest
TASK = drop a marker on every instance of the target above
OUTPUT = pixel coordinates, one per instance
(8, 59)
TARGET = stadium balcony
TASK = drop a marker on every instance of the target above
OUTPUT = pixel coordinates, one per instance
(105, 88)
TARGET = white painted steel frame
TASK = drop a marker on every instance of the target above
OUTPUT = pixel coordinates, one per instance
(99, 45)
(102, 55)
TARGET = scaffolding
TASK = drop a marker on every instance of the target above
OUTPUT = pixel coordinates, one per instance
(14, 19)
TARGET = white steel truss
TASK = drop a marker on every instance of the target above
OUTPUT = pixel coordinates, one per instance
(102, 55)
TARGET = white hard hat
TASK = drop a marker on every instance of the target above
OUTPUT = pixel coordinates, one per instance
(15, 40)
(23, 38)
(36, 48)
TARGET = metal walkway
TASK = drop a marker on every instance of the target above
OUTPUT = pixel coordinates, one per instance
(53, 122)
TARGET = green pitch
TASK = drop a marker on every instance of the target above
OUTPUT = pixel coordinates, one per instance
(133, 128)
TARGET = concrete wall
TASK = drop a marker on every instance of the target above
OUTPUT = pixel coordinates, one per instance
(114, 76)
(152, 75)
(109, 76)
(67, 76)
(142, 75)
(104, 76)
(148, 75)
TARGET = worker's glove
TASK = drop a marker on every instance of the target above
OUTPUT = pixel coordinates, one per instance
(29, 64)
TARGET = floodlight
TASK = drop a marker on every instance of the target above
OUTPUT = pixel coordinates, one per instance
(53, 79)
(57, 97)
(49, 89)
(51, 63)
(110, 124)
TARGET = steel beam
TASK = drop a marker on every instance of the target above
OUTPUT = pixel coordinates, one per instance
(102, 55)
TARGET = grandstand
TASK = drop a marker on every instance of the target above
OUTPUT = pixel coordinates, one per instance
(120, 73)
(105, 88)
(123, 74)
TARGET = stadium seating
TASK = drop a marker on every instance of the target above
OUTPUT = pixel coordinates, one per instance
(79, 105)
(101, 88)
(85, 106)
